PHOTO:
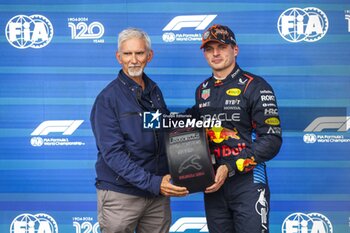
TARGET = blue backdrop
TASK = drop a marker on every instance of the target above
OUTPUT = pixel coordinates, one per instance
(56, 56)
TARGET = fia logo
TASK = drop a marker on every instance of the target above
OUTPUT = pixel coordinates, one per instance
(151, 120)
(304, 223)
(308, 24)
(310, 138)
(38, 223)
(34, 31)
(83, 30)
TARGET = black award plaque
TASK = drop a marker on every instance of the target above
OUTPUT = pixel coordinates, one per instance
(189, 158)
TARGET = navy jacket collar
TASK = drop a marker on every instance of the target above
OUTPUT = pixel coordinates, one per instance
(132, 84)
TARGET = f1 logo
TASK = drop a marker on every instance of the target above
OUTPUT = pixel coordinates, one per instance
(67, 127)
(341, 124)
(188, 223)
(199, 22)
(347, 17)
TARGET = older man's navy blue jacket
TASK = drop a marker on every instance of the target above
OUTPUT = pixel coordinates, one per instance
(130, 160)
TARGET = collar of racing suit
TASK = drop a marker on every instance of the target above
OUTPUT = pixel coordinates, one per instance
(236, 72)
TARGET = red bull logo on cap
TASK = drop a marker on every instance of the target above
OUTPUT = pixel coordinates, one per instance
(220, 134)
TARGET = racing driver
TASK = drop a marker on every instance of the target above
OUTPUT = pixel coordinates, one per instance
(249, 135)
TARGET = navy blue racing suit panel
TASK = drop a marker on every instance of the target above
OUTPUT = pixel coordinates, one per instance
(247, 108)
(239, 206)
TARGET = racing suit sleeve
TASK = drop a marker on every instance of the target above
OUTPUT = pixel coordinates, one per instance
(111, 144)
(266, 134)
(265, 123)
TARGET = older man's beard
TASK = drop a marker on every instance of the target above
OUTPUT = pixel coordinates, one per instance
(135, 71)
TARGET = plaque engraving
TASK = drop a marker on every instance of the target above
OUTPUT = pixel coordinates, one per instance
(189, 158)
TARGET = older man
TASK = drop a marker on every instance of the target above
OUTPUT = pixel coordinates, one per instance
(131, 167)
